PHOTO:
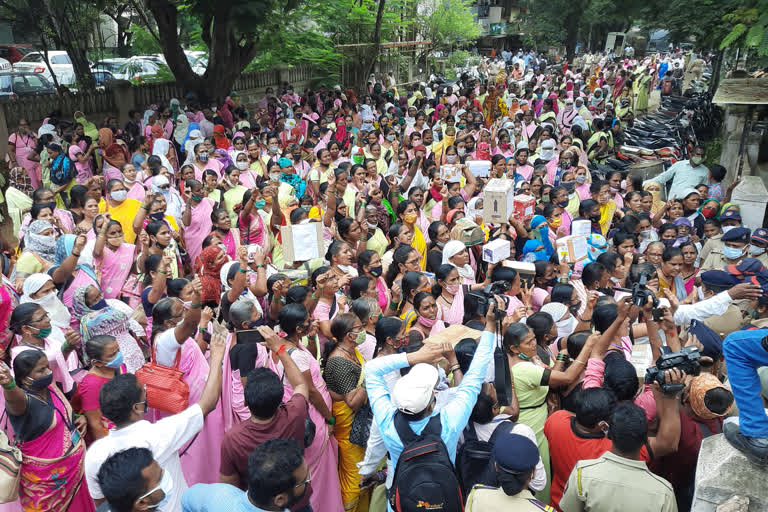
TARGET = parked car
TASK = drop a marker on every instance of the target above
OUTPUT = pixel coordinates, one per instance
(137, 67)
(109, 65)
(5, 65)
(62, 66)
(198, 60)
(19, 84)
(14, 52)
(102, 77)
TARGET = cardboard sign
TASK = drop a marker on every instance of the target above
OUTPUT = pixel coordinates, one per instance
(498, 196)
(450, 174)
(479, 168)
(302, 242)
(454, 334)
(571, 249)
(496, 250)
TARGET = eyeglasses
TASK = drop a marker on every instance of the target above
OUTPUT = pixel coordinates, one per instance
(305, 481)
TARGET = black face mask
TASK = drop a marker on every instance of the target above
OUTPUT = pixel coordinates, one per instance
(50, 205)
(41, 383)
(157, 216)
(249, 337)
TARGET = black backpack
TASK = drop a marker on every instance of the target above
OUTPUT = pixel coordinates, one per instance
(424, 476)
(474, 456)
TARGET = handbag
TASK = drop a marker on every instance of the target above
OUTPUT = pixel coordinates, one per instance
(361, 426)
(10, 468)
(166, 389)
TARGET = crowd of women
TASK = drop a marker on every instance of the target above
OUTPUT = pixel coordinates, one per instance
(119, 226)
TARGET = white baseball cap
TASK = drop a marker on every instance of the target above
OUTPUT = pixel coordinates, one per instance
(413, 393)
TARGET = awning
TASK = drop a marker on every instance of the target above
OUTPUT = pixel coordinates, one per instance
(742, 91)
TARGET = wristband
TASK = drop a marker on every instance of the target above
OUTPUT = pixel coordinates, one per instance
(75, 255)
(260, 266)
(331, 421)
(242, 270)
(144, 208)
(281, 349)
(10, 385)
(578, 361)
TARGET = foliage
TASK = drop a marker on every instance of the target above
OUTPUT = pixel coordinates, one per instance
(749, 28)
(142, 41)
(700, 20)
(447, 22)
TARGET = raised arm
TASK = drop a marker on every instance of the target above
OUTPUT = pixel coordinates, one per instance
(67, 267)
(292, 373)
(188, 326)
(212, 389)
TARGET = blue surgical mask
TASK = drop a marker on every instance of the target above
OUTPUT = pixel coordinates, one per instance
(732, 253)
(116, 362)
(100, 305)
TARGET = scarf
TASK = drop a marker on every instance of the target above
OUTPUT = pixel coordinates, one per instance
(435, 194)
(181, 130)
(42, 245)
(95, 322)
(160, 149)
(657, 204)
(209, 277)
(450, 250)
(58, 312)
(220, 137)
(341, 133)
(61, 174)
(698, 390)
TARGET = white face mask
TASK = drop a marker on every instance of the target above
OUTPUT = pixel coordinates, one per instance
(701, 293)
(728, 228)
(756, 251)
(566, 327)
(273, 149)
(346, 268)
(450, 159)
(119, 195)
(461, 151)
(241, 165)
(372, 226)
(274, 176)
(166, 485)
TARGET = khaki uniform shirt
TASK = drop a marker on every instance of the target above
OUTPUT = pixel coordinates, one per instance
(730, 321)
(615, 484)
(491, 499)
(710, 245)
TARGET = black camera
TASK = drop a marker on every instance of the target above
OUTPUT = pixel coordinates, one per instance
(641, 293)
(687, 360)
(486, 297)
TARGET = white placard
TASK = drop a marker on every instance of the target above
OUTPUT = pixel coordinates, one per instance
(479, 168)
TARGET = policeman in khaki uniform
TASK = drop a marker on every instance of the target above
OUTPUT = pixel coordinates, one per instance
(732, 319)
(514, 459)
(735, 247)
(619, 481)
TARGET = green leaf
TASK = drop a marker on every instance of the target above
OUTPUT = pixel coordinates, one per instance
(755, 35)
(736, 32)
(762, 50)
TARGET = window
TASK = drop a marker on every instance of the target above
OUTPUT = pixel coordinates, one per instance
(32, 57)
(5, 84)
(60, 59)
(34, 81)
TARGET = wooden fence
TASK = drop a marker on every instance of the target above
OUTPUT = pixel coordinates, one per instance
(95, 104)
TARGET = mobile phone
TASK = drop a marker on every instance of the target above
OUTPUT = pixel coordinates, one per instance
(658, 314)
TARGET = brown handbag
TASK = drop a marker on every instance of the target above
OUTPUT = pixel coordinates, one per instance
(166, 389)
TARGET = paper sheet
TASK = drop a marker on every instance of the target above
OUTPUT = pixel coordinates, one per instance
(304, 242)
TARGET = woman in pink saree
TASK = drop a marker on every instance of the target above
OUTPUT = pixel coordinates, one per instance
(197, 220)
(50, 437)
(201, 461)
(322, 454)
(113, 259)
(21, 152)
(451, 299)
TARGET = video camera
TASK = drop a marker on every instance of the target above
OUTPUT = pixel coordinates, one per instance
(687, 360)
(485, 298)
(641, 295)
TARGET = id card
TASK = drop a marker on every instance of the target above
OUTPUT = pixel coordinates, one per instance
(75, 437)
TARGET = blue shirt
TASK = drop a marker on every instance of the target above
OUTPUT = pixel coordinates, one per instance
(453, 416)
(215, 497)
(683, 176)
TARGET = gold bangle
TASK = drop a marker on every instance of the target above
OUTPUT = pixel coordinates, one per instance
(579, 361)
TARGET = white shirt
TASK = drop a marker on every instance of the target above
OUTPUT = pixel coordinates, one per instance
(702, 310)
(163, 438)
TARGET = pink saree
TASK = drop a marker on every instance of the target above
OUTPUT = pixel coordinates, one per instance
(114, 268)
(52, 470)
(199, 227)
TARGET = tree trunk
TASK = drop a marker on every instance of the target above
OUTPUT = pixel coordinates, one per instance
(376, 41)
(74, 44)
(227, 57)
(571, 37)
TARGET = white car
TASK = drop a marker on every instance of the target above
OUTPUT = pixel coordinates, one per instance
(136, 67)
(60, 63)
